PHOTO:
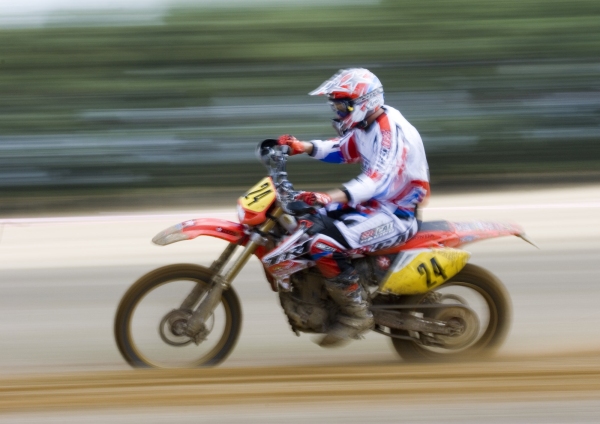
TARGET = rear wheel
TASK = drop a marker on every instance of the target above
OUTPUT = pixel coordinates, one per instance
(483, 315)
(149, 327)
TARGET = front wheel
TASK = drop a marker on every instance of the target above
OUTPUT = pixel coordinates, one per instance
(148, 322)
(485, 323)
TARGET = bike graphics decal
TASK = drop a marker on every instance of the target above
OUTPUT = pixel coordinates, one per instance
(292, 252)
(226, 231)
(325, 248)
(289, 249)
(289, 267)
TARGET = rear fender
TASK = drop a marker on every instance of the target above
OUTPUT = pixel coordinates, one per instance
(455, 234)
(212, 227)
(468, 232)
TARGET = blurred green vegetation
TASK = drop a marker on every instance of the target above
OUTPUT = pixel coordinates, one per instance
(496, 88)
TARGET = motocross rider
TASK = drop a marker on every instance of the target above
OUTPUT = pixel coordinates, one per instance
(373, 211)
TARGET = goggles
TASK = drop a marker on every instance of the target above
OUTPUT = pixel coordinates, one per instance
(342, 107)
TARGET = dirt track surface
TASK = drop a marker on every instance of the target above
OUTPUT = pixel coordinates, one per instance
(546, 378)
(61, 280)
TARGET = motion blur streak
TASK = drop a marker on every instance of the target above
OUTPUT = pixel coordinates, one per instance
(231, 215)
(522, 378)
(61, 282)
(502, 91)
(117, 121)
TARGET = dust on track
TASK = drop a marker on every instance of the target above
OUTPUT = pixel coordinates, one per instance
(518, 377)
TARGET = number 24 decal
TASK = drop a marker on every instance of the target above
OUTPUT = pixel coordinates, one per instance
(436, 270)
(262, 192)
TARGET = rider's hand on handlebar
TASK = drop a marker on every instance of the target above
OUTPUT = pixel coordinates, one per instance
(296, 146)
(314, 198)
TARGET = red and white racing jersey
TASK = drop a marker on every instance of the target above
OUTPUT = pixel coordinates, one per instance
(394, 167)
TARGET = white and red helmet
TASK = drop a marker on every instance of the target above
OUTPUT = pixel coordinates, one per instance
(353, 94)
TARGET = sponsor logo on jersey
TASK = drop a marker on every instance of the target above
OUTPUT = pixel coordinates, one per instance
(385, 244)
(386, 139)
(376, 233)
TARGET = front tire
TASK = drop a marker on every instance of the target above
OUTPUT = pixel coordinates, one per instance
(141, 329)
(486, 290)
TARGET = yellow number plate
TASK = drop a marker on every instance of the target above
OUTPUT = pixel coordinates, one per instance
(420, 270)
(259, 197)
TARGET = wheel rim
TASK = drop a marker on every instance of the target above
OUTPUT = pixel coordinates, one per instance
(146, 328)
(481, 303)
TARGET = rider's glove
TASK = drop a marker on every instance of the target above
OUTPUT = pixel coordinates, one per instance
(314, 198)
(296, 146)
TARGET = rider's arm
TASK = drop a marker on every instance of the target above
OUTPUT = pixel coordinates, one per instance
(338, 196)
(360, 189)
(337, 150)
(307, 146)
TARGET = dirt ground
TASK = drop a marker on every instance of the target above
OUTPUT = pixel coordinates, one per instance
(61, 279)
(511, 378)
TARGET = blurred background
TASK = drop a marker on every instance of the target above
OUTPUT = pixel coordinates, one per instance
(119, 104)
(110, 106)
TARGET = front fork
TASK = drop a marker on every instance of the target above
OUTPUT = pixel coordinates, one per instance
(219, 283)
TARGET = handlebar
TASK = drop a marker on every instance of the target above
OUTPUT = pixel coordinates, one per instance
(270, 150)
(274, 157)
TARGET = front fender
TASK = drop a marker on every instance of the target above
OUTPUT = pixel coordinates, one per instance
(213, 227)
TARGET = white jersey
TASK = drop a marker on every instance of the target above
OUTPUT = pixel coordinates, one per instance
(394, 168)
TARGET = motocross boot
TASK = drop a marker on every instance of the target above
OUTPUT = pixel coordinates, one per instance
(355, 318)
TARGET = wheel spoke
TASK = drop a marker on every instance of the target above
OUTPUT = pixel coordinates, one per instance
(150, 332)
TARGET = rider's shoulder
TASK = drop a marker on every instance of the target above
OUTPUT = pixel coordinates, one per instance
(391, 112)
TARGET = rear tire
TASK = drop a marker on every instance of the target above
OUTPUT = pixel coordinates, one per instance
(181, 278)
(493, 294)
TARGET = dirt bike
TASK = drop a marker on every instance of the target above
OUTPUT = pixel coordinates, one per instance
(423, 294)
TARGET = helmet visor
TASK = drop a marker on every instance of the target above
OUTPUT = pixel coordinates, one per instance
(342, 107)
